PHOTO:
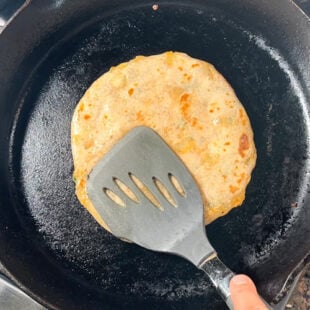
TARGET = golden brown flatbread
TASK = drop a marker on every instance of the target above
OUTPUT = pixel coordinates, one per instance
(189, 103)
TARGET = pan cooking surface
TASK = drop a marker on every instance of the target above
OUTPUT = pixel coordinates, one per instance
(42, 163)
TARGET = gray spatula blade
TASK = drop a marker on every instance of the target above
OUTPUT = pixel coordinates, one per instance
(179, 229)
(124, 189)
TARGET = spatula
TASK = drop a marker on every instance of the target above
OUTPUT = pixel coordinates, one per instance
(146, 195)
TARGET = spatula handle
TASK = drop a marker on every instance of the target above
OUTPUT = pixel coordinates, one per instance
(220, 277)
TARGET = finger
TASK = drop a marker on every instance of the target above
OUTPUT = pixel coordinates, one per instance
(244, 294)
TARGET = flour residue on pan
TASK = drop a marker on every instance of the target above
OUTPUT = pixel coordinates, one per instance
(294, 82)
(170, 290)
(297, 89)
(275, 54)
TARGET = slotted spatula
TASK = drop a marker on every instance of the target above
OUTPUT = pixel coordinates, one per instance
(146, 195)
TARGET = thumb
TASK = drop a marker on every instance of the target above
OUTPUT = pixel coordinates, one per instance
(244, 294)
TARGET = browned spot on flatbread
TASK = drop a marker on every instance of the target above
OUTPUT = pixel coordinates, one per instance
(131, 91)
(244, 144)
(185, 104)
(81, 107)
(184, 98)
(169, 58)
(88, 144)
(139, 116)
(242, 117)
(233, 188)
(87, 116)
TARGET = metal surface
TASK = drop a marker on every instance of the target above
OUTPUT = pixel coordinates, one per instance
(12, 298)
(304, 5)
(50, 245)
(8, 9)
(172, 228)
(220, 276)
(172, 220)
(145, 155)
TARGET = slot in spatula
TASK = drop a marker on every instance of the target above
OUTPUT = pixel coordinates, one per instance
(146, 195)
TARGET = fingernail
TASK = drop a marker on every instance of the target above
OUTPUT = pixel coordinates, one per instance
(240, 279)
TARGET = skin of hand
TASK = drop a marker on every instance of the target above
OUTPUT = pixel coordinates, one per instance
(244, 294)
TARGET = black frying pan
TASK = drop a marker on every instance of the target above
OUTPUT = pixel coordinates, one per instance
(51, 53)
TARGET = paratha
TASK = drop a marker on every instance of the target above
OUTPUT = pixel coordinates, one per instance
(190, 104)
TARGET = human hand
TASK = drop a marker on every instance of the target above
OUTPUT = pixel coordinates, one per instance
(244, 294)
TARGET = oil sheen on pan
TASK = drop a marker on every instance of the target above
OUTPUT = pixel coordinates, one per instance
(190, 104)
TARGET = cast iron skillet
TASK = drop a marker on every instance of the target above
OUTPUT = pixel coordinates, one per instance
(49, 56)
